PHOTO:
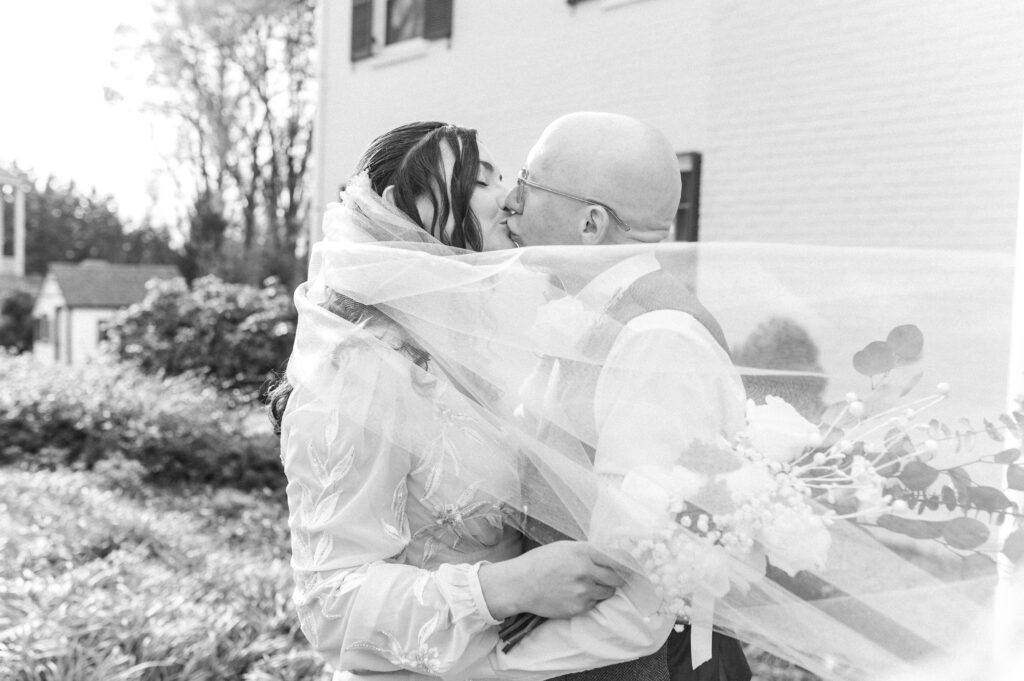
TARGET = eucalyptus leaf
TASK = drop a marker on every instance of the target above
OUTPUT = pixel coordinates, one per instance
(876, 358)
(965, 533)
(911, 383)
(961, 480)
(987, 499)
(1015, 477)
(918, 476)
(906, 342)
(1013, 547)
(1008, 422)
(992, 431)
(1007, 456)
(948, 497)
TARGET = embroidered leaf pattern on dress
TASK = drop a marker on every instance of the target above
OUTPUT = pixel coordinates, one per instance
(319, 459)
(324, 546)
(441, 452)
(332, 428)
(343, 466)
(423, 658)
(419, 587)
(324, 509)
(399, 499)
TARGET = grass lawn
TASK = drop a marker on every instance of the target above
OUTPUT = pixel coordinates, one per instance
(186, 583)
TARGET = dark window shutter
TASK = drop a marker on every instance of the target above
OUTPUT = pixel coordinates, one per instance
(438, 23)
(362, 29)
(688, 214)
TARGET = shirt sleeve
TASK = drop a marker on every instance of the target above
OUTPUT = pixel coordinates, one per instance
(359, 605)
(666, 383)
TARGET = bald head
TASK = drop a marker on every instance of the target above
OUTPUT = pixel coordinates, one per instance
(614, 159)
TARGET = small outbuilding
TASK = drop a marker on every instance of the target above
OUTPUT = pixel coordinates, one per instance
(77, 298)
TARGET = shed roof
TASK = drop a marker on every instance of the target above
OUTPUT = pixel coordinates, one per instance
(98, 283)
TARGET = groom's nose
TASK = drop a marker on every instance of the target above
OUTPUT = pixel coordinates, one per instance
(508, 204)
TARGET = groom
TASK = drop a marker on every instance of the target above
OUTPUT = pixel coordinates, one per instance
(598, 178)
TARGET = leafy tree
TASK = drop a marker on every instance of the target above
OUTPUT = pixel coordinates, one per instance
(238, 76)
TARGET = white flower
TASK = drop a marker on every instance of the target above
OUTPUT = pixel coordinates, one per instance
(778, 431)
(660, 489)
(646, 490)
(796, 539)
(869, 488)
(749, 481)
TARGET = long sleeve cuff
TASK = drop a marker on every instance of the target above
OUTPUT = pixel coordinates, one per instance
(461, 583)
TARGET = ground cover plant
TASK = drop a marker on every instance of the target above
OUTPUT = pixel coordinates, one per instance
(102, 583)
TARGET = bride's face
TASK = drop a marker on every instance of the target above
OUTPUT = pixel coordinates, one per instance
(485, 202)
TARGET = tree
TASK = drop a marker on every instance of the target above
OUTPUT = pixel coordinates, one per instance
(238, 77)
(65, 224)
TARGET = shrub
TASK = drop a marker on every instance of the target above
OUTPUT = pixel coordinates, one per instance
(781, 343)
(16, 321)
(235, 336)
(177, 428)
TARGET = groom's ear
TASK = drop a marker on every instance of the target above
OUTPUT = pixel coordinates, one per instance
(389, 195)
(594, 229)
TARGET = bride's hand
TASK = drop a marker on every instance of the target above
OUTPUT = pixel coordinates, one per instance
(558, 580)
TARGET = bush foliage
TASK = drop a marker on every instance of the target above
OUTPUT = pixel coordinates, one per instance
(177, 428)
(781, 343)
(233, 335)
(16, 321)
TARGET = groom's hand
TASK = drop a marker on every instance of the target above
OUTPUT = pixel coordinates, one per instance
(556, 580)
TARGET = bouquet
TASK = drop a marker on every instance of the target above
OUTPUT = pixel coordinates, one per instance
(729, 514)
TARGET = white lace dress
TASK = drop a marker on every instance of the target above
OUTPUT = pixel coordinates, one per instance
(387, 539)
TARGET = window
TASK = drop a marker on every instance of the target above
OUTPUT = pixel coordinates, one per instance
(688, 214)
(402, 20)
(43, 329)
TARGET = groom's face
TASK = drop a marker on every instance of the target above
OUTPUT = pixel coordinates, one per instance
(538, 217)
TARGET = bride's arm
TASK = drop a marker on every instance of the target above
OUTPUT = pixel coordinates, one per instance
(358, 604)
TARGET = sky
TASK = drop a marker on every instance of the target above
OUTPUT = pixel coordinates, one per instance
(56, 58)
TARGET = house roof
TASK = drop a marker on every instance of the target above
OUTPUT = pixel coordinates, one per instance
(98, 283)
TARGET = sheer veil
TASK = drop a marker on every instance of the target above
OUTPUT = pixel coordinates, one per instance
(495, 326)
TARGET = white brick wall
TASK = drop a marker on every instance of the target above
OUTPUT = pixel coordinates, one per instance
(872, 122)
(876, 122)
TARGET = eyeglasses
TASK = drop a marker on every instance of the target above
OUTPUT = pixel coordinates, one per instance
(523, 180)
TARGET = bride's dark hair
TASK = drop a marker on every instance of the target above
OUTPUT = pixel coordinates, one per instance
(410, 158)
